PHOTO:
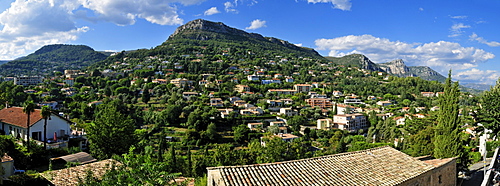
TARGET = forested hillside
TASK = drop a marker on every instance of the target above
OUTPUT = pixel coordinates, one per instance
(51, 58)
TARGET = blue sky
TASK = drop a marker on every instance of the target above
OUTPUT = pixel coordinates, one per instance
(461, 35)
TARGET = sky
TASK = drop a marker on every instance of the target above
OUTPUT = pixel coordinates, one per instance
(458, 35)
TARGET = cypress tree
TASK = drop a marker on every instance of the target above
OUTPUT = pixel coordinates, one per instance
(447, 142)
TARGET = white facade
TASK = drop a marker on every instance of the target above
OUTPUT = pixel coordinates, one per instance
(56, 125)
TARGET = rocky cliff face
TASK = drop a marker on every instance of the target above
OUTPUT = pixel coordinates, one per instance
(217, 27)
(397, 67)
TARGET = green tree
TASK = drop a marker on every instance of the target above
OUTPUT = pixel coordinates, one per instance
(45, 113)
(111, 132)
(489, 113)
(241, 133)
(447, 141)
(29, 107)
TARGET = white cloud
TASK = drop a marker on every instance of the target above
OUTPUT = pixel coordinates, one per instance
(29, 24)
(298, 44)
(212, 11)
(126, 12)
(421, 9)
(476, 75)
(459, 17)
(229, 7)
(338, 4)
(456, 29)
(255, 24)
(441, 55)
(475, 37)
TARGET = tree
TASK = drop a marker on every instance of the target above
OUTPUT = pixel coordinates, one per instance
(29, 107)
(111, 132)
(489, 113)
(241, 133)
(447, 142)
(45, 113)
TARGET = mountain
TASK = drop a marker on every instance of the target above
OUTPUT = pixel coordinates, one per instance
(357, 60)
(396, 67)
(3, 62)
(200, 30)
(477, 86)
(399, 68)
(49, 58)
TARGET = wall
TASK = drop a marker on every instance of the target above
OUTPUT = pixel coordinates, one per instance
(444, 175)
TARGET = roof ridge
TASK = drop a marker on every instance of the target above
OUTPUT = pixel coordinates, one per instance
(306, 159)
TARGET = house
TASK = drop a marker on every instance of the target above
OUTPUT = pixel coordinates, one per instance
(181, 82)
(384, 103)
(289, 79)
(216, 102)
(302, 87)
(400, 120)
(376, 166)
(51, 104)
(324, 124)
(288, 112)
(284, 137)
(188, 95)
(255, 126)
(352, 101)
(253, 78)
(13, 122)
(427, 94)
(242, 88)
(349, 122)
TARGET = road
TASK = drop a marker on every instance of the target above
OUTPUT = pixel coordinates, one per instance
(476, 174)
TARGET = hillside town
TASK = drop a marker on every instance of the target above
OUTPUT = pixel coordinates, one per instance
(216, 114)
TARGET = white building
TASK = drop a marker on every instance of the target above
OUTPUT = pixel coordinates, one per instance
(349, 122)
(13, 122)
(27, 80)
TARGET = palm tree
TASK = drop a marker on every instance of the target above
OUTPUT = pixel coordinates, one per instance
(45, 113)
(29, 107)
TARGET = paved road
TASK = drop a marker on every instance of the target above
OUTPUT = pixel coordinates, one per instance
(476, 173)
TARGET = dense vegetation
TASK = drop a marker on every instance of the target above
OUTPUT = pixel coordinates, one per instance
(52, 58)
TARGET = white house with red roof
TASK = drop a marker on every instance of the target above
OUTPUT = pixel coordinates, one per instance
(13, 122)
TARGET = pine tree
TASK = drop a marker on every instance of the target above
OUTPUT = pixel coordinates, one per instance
(447, 142)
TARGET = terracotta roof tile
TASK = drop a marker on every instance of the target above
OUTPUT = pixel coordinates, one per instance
(378, 166)
(16, 116)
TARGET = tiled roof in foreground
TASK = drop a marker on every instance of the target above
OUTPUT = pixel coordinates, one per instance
(377, 166)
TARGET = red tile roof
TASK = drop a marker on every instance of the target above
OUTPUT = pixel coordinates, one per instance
(377, 166)
(16, 116)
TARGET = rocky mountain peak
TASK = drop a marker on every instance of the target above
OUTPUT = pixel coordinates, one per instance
(397, 67)
(217, 27)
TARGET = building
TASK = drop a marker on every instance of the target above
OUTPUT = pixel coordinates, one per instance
(324, 124)
(377, 166)
(242, 88)
(282, 91)
(349, 122)
(181, 82)
(216, 102)
(188, 95)
(319, 102)
(27, 80)
(288, 112)
(384, 103)
(302, 87)
(13, 122)
(70, 82)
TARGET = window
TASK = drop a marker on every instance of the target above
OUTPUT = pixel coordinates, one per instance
(439, 179)
(37, 135)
